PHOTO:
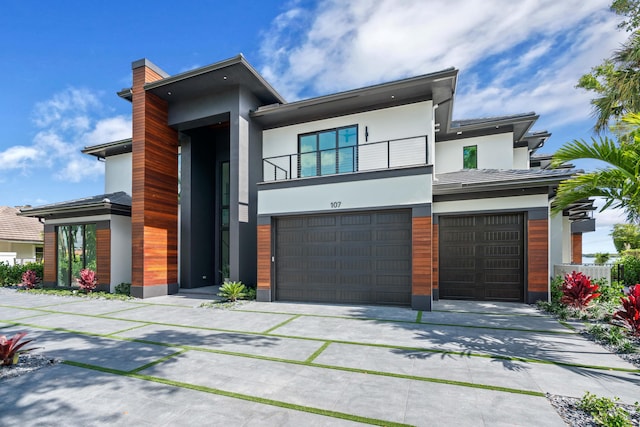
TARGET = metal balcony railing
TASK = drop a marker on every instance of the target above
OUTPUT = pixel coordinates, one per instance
(381, 155)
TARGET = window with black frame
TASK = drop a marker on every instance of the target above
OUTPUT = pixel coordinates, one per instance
(328, 152)
(76, 250)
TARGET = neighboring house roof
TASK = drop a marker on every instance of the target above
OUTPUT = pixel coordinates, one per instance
(483, 179)
(118, 203)
(19, 229)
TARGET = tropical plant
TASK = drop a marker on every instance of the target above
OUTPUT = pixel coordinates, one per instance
(626, 236)
(605, 411)
(87, 280)
(629, 315)
(617, 183)
(578, 290)
(601, 258)
(123, 289)
(12, 348)
(232, 291)
(630, 262)
(29, 279)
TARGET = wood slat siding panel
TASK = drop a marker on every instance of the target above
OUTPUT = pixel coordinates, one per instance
(264, 257)
(435, 256)
(576, 248)
(103, 255)
(50, 258)
(538, 253)
(154, 211)
(421, 256)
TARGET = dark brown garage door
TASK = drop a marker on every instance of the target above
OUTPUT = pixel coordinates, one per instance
(362, 257)
(482, 257)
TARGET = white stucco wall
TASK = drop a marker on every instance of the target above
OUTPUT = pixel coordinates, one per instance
(365, 194)
(498, 203)
(117, 173)
(405, 121)
(521, 158)
(567, 248)
(494, 152)
(556, 240)
(120, 250)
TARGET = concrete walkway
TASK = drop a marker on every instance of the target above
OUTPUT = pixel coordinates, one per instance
(166, 361)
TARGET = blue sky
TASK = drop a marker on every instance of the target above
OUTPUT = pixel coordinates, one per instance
(63, 62)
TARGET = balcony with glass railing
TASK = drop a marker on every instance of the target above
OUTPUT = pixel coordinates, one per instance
(382, 155)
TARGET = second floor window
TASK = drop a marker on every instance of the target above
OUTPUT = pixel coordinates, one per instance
(470, 157)
(328, 152)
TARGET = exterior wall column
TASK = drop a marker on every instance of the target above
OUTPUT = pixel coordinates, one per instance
(264, 260)
(537, 257)
(576, 248)
(50, 256)
(154, 210)
(103, 255)
(421, 256)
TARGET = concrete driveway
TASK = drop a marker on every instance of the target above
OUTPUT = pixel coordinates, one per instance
(165, 361)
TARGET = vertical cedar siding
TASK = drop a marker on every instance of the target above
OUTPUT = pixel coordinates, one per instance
(50, 257)
(421, 256)
(436, 259)
(154, 211)
(576, 248)
(264, 257)
(538, 255)
(103, 255)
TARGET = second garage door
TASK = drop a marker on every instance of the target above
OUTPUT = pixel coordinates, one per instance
(360, 257)
(482, 257)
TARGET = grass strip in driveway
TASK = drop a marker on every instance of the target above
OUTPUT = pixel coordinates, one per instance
(282, 324)
(410, 322)
(219, 392)
(157, 362)
(317, 353)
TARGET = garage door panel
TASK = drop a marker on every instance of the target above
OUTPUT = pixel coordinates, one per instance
(482, 257)
(362, 257)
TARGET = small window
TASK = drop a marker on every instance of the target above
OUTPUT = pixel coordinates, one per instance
(470, 157)
(328, 152)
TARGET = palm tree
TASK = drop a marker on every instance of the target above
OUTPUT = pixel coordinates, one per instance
(618, 183)
(616, 82)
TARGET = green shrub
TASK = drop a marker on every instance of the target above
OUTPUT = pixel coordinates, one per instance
(605, 411)
(232, 291)
(610, 292)
(630, 261)
(12, 274)
(123, 289)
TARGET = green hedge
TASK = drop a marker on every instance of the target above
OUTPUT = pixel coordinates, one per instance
(630, 260)
(12, 274)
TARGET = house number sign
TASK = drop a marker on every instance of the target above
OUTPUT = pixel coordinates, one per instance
(335, 205)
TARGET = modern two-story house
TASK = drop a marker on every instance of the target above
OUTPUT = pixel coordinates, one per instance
(370, 196)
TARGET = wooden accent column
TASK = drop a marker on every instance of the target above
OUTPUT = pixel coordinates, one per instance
(264, 263)
(154, 210)
(421, 253)
(50, 256)
(576, 248)
(537, 260)
(103, 256)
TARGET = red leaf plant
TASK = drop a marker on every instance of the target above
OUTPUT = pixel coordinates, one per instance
(630, 313)
(87, 280)
(11, 348)
(29, 279)
(578, 291)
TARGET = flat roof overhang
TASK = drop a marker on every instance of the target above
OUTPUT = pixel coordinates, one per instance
(218, 77)
(109, 149)
(438, 87)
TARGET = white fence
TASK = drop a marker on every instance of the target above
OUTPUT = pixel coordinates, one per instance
(591, 270)
(10, 258)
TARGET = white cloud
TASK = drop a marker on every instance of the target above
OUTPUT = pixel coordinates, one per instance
(67, 122)
(18, 157)
(513, 56)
